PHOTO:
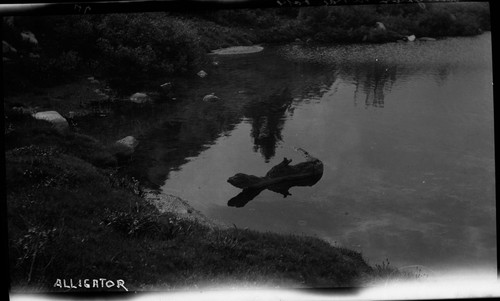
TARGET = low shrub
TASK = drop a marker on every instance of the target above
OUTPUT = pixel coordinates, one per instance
(145, 45)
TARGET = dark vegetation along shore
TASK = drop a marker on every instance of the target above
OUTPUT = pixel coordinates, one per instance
(126, 49)
(72, 211)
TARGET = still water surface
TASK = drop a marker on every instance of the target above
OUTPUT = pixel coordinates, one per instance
(404, 130)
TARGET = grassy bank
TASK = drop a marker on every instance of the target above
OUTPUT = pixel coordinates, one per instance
(72, 215)
(129, 48)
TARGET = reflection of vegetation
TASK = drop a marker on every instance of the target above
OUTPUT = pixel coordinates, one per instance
(375, 80)
(267, 117)
(179, 135)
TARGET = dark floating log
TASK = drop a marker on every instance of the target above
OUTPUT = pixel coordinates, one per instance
(278, 179)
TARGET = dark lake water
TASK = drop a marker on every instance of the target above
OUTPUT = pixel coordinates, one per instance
(404, 131)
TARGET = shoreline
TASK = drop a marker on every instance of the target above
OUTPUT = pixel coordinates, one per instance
(168, 203)
(151, 240)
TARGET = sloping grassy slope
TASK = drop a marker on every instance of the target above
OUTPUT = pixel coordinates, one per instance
(71, 215)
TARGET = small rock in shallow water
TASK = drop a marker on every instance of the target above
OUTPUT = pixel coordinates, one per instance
(166, 86)
(202, 74)
(210, 98)
(140, 98)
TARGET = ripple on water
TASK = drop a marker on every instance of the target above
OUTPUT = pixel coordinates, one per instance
(447, 52)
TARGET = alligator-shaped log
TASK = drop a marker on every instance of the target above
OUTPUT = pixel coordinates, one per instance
(278, 179)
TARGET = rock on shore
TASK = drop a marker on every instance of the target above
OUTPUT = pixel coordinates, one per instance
(59, 122)
(125, 147)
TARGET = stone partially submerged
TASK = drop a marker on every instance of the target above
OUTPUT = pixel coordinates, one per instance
(211, 98)
(140, 98)
(59, 122)
(202, 74)
(238, 50)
